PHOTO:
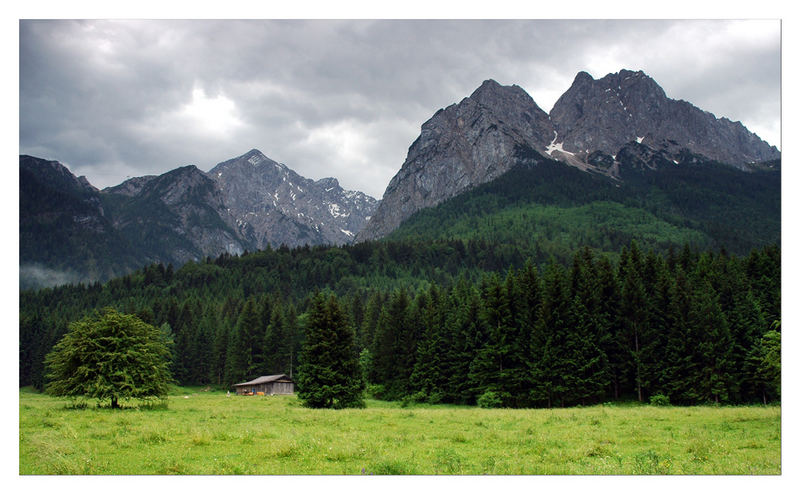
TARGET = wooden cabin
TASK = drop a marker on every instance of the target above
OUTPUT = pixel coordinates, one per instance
(279, 384)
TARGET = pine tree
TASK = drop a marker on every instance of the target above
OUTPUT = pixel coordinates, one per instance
(390, 351)
(220, 352)
(465, 326)
(679, 372)
(634, 307)
(370, 323)
(552, 373)
(330, 375)
(715, 345)
(486, 369)
(277, 344)
(764, 364)
(586, 375)
(428, 378)
(246, 346)
(607, 322)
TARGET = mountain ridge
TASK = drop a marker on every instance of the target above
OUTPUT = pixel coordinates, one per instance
(181, 215)
(474, 141)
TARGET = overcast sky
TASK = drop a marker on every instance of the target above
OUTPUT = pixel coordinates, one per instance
(115, 99)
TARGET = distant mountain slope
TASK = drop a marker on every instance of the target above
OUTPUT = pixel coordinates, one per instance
(65, 234)
(551, 209)
(71, 232)
(275, 206)
(175, 217)
(612, 127)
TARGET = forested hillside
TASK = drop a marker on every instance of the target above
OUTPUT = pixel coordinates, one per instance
(447, 321)
(548, 209)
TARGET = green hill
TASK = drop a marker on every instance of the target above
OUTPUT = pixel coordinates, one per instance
(552, 209)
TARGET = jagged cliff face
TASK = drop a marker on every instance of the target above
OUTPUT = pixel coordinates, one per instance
(606, 114)
(625, 114)
(461, 146)
(272, 205)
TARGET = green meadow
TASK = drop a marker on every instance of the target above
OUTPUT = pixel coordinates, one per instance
(207, 432)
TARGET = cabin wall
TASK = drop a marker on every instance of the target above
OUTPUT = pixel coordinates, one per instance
(274, 388)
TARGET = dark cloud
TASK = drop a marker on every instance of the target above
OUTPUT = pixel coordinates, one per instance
(113, 99)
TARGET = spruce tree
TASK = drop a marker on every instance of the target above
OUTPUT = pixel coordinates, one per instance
(679, 372)
(391, 362)
(634, 306)
(468, 334)
(713, 354)
(246, 347)
(486, 369)
(330, 374)
(277, 344)
(552, 372)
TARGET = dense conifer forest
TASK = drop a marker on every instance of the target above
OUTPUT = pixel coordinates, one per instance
(445, 322)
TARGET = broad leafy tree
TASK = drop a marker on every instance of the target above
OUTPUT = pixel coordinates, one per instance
(110, 356)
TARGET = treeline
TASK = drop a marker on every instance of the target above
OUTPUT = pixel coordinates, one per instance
(695, 327)
(202, 301)
(691, 328)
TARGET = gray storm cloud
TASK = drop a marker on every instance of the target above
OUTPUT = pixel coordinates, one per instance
(113, 99)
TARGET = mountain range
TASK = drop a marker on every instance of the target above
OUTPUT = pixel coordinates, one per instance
(70, 231)
(592, 126)
(618, 129)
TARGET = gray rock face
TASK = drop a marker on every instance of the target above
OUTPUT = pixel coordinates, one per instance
(476, 140)
(245, 203)
(462, 146)
(606, 114)
(273, 205)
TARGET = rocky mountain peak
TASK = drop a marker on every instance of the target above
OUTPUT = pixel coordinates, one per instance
(604, 115)
(328, 182)
(462, 146)
(131, 187)
(582, 77)
(480, 138)
(56, 175)
(273, 205)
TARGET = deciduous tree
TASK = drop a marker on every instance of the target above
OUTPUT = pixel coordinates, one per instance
(110, 356)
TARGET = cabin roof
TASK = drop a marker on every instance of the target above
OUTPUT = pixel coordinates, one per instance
(266, 379)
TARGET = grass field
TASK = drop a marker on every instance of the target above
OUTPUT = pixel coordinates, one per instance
(211, 433)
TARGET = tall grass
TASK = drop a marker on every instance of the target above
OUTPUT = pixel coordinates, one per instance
(211, 433)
